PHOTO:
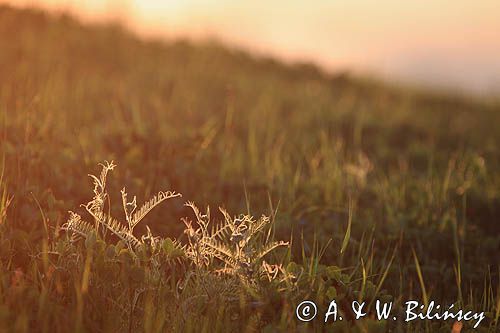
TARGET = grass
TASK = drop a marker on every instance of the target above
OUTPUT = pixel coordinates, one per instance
(372, 191)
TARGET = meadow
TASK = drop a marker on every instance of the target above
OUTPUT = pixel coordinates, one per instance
(330, 186)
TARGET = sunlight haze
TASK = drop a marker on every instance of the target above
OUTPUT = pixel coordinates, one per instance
(452, 44)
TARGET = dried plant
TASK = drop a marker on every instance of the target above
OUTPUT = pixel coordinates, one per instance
(239, 244)
(104, 222)
(235, 247)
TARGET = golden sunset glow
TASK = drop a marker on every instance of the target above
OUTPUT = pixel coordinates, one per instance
(249, 166)
(441, 42)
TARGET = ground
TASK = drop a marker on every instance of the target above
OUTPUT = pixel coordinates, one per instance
(381, 191)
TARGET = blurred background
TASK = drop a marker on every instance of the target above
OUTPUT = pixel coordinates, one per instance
(331, 156)
(448, 44)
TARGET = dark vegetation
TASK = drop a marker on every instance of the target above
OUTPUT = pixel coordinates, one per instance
(400, 180)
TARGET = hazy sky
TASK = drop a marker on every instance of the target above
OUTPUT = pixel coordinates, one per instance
(455, 43)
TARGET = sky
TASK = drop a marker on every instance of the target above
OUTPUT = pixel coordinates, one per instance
(452, 44)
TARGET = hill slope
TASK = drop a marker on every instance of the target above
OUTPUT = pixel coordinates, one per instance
(420, 169)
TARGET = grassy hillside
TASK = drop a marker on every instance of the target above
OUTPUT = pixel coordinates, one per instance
(402, 181)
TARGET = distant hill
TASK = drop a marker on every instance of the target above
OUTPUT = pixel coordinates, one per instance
(414, 171)
(100, 84)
